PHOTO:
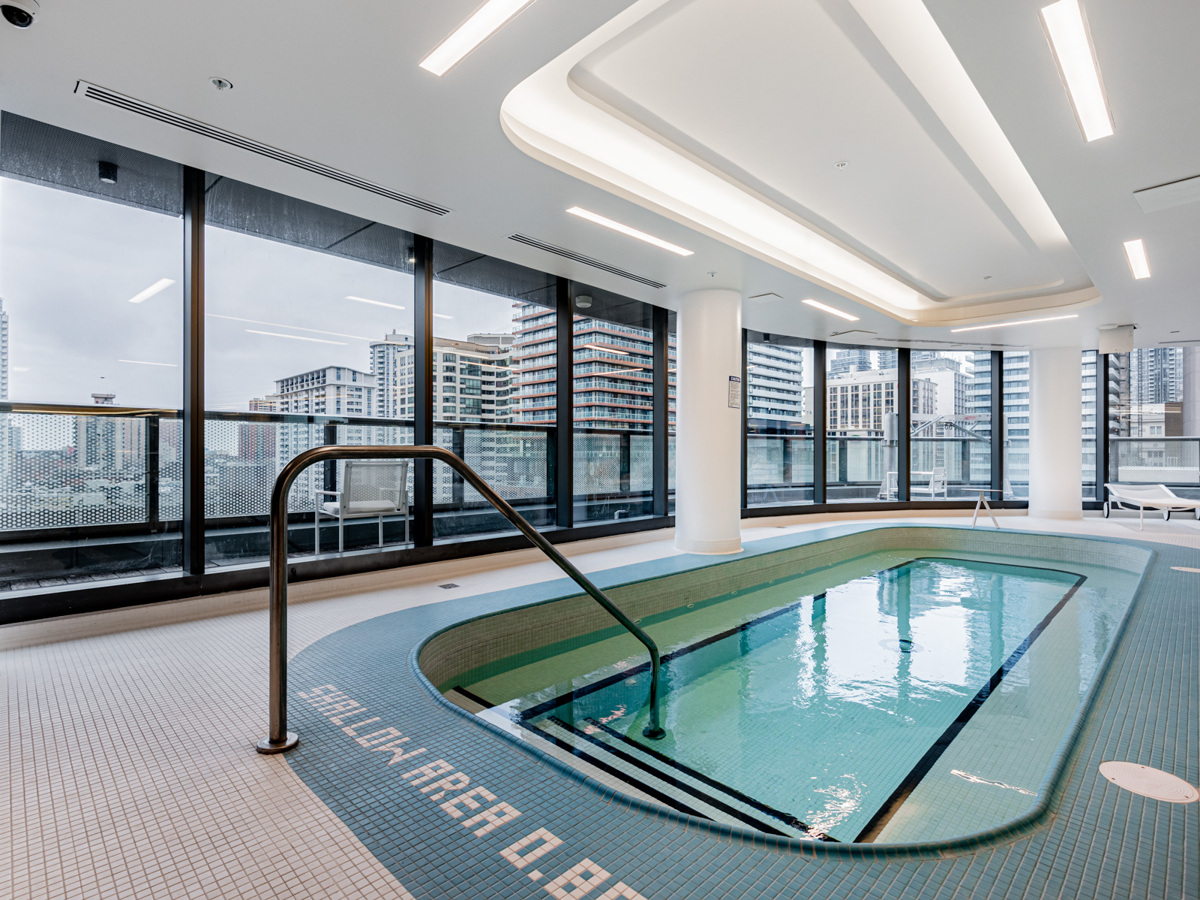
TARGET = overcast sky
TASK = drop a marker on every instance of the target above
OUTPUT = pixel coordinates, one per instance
(70, 264)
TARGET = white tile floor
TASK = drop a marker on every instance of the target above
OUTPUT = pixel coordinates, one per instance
(129, 738)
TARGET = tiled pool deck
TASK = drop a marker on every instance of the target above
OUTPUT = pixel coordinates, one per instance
(131, 774)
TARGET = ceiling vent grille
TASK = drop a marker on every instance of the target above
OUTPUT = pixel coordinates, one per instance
(586, 260)
(129, 104)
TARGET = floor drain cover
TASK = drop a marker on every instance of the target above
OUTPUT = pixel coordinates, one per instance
(1149, 782)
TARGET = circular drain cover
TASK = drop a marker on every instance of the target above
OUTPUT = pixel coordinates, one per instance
(1149, 782)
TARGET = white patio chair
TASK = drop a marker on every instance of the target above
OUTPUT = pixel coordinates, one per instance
(371, 489)
(937, 485)
(1143, 496)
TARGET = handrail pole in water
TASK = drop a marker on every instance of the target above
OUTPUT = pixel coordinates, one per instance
(279, 738)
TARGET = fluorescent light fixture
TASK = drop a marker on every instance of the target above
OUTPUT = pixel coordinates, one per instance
(142, 362)
(357, 337)
(161, 285)
(817, 304)
(605, 349)
(442, 316)
(1076, 59)
(295, 337)
(373, 302)
(1135, 252)
(486, 21)
(626, 230)
(1017, 322)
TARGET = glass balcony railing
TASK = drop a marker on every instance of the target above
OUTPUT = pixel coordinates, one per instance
(1173, 461)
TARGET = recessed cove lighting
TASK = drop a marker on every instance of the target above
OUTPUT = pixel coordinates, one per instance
(630, 232)
(1135, 252)
(161, 285)
(817, 304)
(1017, 322)
(486, 21)
(373, 302)
(1076, 60)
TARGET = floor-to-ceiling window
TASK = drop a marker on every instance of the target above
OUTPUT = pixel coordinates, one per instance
(1013, 425)
(613, 405)
(494, 328)
(951, 426)
(308, 337)
(779, 420)
(91, 343)
(1154, 418)
(1089, 375)
(862, 445)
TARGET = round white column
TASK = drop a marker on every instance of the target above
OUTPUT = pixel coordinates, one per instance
(708, 431)
(1056, 433)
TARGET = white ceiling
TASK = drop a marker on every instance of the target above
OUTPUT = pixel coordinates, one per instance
(341, 85)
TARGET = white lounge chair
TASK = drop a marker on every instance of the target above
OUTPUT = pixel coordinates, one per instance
(371, 489)
(1143, 496)
(937, 485)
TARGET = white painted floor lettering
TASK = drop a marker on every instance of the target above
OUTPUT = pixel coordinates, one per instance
(439, 778)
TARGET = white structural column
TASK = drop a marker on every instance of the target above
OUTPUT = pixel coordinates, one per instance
(708, 430)
(1055, 433)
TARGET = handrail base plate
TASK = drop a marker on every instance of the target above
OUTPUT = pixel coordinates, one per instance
(266, 745)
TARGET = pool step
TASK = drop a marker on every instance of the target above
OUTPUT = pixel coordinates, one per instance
(664, 780)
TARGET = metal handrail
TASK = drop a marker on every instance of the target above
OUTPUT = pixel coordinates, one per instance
(279, 739)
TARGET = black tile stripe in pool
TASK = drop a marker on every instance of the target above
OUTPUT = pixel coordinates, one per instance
(666, 777)
(884, 814)
(786, 818)
(665, 799)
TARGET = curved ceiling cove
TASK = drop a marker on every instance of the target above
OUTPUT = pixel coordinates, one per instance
(838, 139)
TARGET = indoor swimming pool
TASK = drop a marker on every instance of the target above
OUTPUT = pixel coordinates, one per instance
(896, 696)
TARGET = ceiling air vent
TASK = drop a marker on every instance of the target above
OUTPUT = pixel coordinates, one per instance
(586, 260)
(129, 104)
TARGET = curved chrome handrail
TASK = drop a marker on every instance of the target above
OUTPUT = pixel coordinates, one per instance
(279, 739)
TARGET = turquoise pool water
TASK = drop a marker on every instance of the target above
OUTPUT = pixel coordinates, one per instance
(895, 697)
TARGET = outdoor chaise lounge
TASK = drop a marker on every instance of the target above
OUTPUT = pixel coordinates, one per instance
(1143, 496)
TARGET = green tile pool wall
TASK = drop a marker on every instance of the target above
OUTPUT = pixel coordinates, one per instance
(481, 647)
(1098, 841)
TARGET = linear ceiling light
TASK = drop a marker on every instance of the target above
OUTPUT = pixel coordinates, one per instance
(486, 21)
(373, 302)
(1076, 59)
(626, 230)
(442, 316)
(1017, 322)
(817, 304)
(605, 349)
(295, 337)
(161, 285)
(142, 362)
(1135, 252)
(356, 337)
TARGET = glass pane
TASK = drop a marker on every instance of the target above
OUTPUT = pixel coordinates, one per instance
(861, 452)
(91, 346)
(779, 420)
(1015, 395)
(1154, 419)
(309, 325)
(950, 443)
(494, 358)
(1088, 376)
(613, 406)
(672, 389)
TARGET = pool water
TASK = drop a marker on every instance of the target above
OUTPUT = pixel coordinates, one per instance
(901, 698)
